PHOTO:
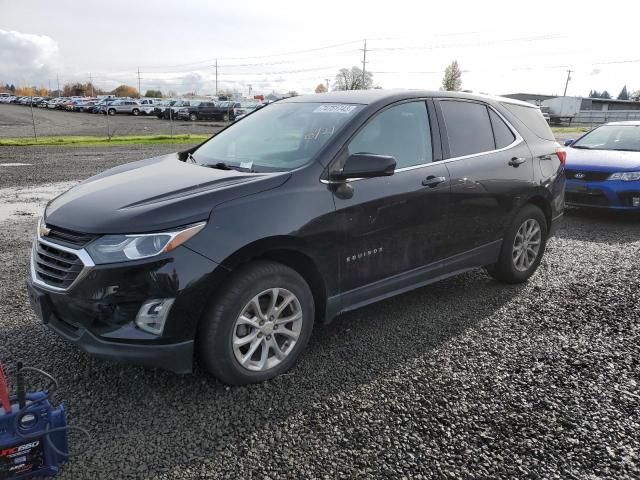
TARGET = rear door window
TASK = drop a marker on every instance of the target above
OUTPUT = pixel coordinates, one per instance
(501, 132)
(468, 127)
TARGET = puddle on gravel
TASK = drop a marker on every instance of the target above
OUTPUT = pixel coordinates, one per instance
(29, 201)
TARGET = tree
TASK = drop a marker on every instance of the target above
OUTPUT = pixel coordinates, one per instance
(351, 79)
(594, 94)
(321, 88)
(605, 94)
(153, 94)
(623, 95)
(452, 80)
(635, 96)
(126, 91)
(292, 93)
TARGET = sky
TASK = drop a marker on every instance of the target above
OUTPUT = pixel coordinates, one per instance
(501, 46)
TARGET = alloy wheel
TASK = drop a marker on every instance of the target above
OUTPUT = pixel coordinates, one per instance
(267, 329)
(526, 245)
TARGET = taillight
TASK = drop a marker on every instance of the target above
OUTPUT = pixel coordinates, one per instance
(562, 155)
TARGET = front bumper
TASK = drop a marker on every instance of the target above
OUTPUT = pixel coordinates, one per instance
(98, 311)
(611, 194)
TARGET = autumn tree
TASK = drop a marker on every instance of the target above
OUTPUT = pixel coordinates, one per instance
(452, 80)
(352, 79)
(321, 88)
(126, 91)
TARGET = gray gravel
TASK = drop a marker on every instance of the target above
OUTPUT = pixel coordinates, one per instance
(465, 378)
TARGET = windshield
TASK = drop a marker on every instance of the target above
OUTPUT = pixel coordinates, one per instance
(611, 137)
(280, 137)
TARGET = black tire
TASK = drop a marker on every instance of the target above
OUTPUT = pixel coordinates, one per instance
(215, 334)
(111, 111)
(193, 117)
(225, 117)
(505, 269)
(135, 112)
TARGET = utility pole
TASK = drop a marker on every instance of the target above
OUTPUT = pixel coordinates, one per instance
(58, 79)
(216, 77)
(91, 83)
(364, 61)
(139, 87)
(327, 80)
(249, 90)
(569, 72)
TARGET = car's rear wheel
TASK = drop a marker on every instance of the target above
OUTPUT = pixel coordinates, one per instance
(522, 247)
(193, 117)
(258, 325)
(225, 117)
(112, 111)
(135, 111)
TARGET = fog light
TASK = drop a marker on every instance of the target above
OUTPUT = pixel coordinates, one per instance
(636, 201)
(153, 314)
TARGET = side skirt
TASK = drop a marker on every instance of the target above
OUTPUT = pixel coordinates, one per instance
(412, 279)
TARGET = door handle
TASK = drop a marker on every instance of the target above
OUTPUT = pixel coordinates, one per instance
(432, 181)
(517, 161)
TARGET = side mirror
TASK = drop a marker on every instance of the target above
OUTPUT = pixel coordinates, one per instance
(366, 165)
(568, 143)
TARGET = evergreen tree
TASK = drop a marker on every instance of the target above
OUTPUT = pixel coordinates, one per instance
(452, 80)
(623, 95)
(605, 94)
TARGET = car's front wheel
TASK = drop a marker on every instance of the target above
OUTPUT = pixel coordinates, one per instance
(522, 247)
(193, 117)
(258, 325)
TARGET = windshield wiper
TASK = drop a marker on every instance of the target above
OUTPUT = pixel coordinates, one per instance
(625, 150)
(582, 147)
(229, 166)
(191, 158)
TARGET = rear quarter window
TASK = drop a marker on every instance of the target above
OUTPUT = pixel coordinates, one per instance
(532, 119)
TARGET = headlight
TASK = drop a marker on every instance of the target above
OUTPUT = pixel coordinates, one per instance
(121, 248)
(625, 176)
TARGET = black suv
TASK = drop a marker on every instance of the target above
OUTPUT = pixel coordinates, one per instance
(309, 207)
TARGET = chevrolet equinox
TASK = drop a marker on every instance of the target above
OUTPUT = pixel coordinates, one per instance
(310, 207)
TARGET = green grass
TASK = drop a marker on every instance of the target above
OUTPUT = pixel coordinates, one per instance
(102, 141)
(570, 129)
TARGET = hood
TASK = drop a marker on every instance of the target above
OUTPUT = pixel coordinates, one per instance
(602, 160)
(154, 194)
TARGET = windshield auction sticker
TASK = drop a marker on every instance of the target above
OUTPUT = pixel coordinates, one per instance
(335, 108)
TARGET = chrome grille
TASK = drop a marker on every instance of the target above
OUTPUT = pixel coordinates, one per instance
(68, 237)
(57, 268)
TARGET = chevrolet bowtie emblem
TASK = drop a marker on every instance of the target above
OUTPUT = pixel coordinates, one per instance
(44, 230)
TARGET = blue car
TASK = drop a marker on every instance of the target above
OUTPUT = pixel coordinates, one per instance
(603, 167)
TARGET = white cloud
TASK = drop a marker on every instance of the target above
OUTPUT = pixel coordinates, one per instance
(27, 59)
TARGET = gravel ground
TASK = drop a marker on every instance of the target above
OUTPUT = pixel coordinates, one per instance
(466, 378)
(15, 121)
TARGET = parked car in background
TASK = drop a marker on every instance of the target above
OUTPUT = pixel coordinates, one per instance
(603, 167)
(148, 105)
(161, 106)
(131, 107)
(84, 105)
(315, 206)
(197, 111)
(101, 104)
(171, 110)
(226, 110)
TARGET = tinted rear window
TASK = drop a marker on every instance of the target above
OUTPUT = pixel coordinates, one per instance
(532, 118)
(468, 127)
(503, 134)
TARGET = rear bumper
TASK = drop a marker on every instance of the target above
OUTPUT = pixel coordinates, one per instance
(612, 194)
